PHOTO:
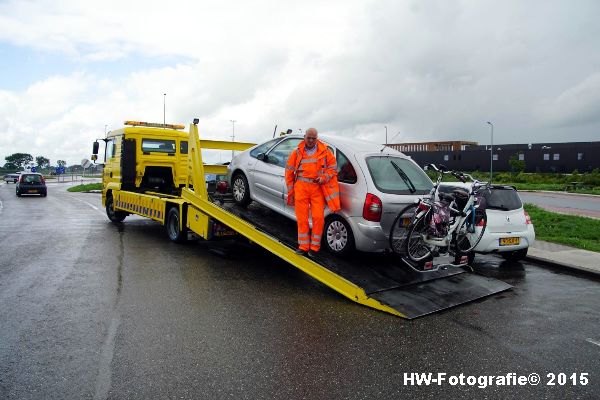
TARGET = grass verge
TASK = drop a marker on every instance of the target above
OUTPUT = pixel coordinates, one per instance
(86, 187)
(580, 232)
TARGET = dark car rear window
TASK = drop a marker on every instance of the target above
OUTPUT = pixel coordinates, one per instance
(32, 178)
(397, 175)
(502, 198)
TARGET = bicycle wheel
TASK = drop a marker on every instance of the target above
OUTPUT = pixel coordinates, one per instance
(399, 229)
(416, 248)
(471, 231)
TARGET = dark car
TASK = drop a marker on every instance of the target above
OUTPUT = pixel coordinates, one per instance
(31, 183)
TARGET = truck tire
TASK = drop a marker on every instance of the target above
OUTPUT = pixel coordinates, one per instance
(240, 189)
(114, 215)
(175, 233)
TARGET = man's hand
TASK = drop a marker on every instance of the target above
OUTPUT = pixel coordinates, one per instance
(319, 180)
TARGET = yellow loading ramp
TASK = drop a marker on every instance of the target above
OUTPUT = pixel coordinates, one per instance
(376, 281)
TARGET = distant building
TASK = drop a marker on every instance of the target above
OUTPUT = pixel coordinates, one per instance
(455, 145)
(538, 157)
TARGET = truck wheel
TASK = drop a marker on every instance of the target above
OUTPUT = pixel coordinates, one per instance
(172, 226)
(337, 235)
(240, 189)
(113, 215)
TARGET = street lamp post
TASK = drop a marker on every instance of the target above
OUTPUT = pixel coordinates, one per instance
(232, 134)
(164, 108)
(491, 151)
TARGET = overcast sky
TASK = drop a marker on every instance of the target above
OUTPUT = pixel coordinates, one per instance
(431, 70)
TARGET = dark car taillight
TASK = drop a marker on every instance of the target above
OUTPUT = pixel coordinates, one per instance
(372, 208)
(222, 187)
(527, 218)
(43, 180)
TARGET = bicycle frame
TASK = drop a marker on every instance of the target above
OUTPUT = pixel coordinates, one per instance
(425, 208)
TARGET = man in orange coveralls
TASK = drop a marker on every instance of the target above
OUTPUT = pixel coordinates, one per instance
(311, 178)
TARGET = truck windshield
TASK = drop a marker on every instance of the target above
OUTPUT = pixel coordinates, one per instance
(158, 145)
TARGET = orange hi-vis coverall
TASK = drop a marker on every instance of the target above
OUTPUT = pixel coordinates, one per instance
(308, 196)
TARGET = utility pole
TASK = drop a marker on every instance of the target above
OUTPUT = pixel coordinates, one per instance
(232, 135)
(386, 142)
(491, 151)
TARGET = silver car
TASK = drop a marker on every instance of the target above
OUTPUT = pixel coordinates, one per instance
(376, 183)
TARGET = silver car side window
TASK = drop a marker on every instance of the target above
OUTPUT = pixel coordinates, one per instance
(263, 148)
(279, 154)
(345, 170)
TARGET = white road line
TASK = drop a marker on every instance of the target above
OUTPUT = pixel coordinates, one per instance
(89, 204)
(592, 341)
(1, 206)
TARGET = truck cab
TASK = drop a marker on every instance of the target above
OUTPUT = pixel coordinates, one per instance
(145, 157)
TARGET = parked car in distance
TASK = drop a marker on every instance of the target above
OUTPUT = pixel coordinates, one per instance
(509, 231)
(11, 178)
(31, 183)
(376, 183)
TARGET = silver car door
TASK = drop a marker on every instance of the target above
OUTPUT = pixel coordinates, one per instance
(269, 174)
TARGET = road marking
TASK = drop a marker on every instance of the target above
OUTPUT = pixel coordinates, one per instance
(89, 204)
(592, 341)
(1, 206)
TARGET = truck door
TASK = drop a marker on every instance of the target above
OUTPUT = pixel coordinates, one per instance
(128, 162)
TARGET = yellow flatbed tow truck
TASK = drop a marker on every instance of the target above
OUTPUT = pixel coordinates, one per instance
(156, 171)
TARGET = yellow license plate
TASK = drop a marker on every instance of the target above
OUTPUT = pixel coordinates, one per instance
(32, 191)
(509, 241)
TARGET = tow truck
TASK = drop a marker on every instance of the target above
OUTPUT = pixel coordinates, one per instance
(157, 171)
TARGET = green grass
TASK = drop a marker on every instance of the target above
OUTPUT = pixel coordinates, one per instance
(86, 187)
(579, 232)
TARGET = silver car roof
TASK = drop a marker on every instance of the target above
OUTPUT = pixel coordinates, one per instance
(354, 146)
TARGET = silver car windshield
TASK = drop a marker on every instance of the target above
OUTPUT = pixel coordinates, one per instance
(397, 175)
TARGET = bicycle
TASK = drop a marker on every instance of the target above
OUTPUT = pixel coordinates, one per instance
(453, 224)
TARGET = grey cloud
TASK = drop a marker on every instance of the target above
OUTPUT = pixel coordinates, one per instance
(441, 69)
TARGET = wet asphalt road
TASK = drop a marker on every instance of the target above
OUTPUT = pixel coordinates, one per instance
(588, 206)
(93, 310)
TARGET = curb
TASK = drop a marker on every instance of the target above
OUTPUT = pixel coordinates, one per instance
(559, 265)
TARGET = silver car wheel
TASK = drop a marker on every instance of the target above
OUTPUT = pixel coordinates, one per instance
(337, 236)
(239, 189)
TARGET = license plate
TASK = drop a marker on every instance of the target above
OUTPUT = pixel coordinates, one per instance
(509, 241)
(32, 191)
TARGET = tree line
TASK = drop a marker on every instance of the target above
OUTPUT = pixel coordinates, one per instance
(19, 161)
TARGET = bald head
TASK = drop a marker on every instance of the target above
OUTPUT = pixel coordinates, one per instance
(310, 138)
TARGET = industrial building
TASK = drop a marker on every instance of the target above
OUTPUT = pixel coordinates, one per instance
(538, 157)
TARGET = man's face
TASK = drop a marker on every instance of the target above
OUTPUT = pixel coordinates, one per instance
(310, 139)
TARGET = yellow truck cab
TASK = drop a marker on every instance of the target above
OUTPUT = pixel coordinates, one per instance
(145, 156)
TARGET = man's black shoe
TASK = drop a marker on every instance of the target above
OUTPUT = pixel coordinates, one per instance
(312, 254)
(300, 252)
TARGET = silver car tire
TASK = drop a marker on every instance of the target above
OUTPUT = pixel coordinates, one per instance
(240, 189)
(338, 236)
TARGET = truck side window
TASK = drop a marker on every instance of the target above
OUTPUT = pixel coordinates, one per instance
(346, 172)
(111, 148)
(183, 147)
